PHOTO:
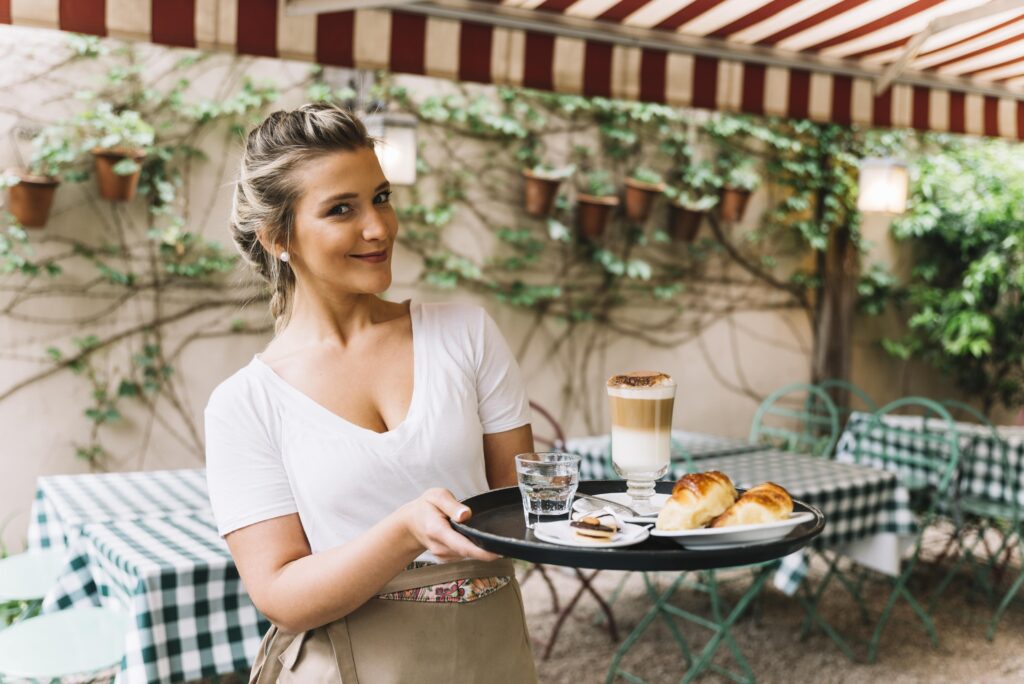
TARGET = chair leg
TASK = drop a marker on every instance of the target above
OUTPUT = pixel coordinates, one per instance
(1004, 604)
(900, 591)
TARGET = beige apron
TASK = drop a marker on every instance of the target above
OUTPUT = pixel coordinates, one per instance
(396, 642)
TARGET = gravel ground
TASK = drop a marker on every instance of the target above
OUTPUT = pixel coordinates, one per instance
(770, 641)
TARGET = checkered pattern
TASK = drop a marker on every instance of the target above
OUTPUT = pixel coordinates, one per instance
(139, 548)
(981, 472)
(857, 501)
(596, 450)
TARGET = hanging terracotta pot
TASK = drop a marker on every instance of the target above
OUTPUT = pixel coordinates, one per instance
(592, 214)
(639, 198)
(115, 187)
(540, 193)
(733, 203)
(31, 199)
(683, 222)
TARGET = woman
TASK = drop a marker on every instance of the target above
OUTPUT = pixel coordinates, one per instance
(336, 458)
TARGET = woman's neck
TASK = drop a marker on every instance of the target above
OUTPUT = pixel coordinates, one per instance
(333, 319)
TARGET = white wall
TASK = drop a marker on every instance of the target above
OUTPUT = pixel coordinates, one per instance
(760, 351)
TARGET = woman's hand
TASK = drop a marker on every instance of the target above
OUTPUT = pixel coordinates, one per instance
(426, 519)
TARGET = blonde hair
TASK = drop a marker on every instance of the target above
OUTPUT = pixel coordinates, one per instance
(266, 190)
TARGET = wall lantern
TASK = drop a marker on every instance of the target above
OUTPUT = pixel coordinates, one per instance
(396, 147)
(884, 184)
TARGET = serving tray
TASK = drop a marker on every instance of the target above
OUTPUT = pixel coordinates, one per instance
(498, 526)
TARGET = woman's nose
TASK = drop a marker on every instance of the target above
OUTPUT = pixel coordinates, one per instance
(375, 228)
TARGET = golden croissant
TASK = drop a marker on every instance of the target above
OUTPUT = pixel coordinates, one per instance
(696, 499)
(767, 502)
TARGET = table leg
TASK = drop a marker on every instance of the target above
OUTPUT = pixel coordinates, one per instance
(585, 586)
(720, 626)
(542, 571)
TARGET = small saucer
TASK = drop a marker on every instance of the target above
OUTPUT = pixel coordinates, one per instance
(559, 532)
(585, 506)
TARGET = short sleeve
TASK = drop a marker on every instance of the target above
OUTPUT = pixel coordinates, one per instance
(245, 475)
(503, 403)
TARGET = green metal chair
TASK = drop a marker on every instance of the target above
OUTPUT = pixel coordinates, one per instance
(978, 513)
(835, 386)
(925, 461)
(66, 644)
(24, 580)
(797, 417)
(1010, 513)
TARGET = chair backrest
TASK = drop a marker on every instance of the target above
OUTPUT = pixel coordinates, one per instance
(835, 386)
(985, 451)
(923, 450)
(798, 417)
(553, 437)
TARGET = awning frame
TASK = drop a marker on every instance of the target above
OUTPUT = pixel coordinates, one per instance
(558, 24)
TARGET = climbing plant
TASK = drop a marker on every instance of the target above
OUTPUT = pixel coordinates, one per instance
(964, 298)
(147, 267)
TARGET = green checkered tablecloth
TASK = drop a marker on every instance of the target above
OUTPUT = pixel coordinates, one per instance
(146, 542)
(981, 472)
(858, 502)
(596, 450)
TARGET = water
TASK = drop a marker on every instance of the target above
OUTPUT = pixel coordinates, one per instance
(547, 495)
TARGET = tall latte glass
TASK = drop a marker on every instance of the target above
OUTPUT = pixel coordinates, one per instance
(641, 409)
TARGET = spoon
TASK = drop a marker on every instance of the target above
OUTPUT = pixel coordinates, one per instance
(611, 504)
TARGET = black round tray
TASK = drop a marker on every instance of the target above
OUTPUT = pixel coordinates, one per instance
(498, 526)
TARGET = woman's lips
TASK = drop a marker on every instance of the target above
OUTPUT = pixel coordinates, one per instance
(371, 257)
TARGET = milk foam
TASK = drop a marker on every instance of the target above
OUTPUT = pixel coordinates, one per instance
(640, 451)
(662, 391)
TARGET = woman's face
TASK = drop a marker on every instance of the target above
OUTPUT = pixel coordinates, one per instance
(345, 226)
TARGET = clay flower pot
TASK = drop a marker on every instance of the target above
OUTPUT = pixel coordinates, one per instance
(683, 222)
(639, 198)
(113, 186)
(733, 203)
(31, 199)
(592, 214)
(540, 193)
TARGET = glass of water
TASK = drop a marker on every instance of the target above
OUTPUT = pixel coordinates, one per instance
(548, 482)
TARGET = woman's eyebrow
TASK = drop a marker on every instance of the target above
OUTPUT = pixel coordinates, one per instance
(326, 204)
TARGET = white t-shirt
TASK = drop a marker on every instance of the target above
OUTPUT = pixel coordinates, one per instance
(271, 450)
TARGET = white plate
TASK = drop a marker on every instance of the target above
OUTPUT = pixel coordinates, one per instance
(722, 537)
(588, 506)
(559, 532)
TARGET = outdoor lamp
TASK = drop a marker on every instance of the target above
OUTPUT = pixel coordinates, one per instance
(396, 146)
(883, 186)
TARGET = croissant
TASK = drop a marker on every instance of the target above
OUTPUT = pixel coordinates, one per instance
(696, 499)
(767, 502)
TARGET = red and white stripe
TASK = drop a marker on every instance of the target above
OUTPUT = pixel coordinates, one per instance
(866, 34)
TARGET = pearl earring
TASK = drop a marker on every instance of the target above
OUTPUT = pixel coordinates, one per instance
(284, 257)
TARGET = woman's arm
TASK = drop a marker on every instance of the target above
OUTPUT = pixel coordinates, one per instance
(298, 590)
(500, 451)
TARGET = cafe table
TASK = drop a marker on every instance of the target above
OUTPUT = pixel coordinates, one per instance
(145, 542)
(596, 450)
(869, 520)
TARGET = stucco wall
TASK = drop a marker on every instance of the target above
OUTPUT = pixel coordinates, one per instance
(42, 422)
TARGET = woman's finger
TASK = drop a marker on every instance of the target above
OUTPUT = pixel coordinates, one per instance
(465, 548)
(449, 505)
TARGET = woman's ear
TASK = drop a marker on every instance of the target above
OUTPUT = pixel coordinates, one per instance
(272, 248)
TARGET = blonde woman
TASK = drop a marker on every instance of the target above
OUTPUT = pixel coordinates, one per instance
(337, 456)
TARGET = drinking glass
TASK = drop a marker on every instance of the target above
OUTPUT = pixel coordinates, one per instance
(548, 482)
(641, 439)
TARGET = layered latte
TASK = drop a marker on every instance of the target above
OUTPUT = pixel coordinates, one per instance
(641, 411)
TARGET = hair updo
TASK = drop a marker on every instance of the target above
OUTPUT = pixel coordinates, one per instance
(266, 190)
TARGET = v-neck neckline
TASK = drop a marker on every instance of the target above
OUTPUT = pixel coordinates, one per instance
(325, 416)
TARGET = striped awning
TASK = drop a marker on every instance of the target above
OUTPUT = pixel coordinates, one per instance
(944, 65)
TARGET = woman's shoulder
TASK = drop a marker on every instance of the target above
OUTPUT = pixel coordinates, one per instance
(243, 393)
(455, 318)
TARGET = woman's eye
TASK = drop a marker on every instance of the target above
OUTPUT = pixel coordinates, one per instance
(383, 197)
(339, 210)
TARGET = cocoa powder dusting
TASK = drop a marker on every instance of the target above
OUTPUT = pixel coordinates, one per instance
(639, 379)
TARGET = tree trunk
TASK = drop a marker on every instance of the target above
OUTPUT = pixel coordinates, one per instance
(835, 311)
